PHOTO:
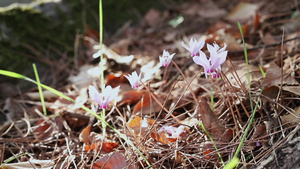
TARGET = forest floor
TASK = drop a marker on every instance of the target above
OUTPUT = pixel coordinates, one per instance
(158, 124)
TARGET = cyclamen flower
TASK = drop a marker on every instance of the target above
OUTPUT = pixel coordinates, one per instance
(106, 97)
(175, 132)
(134, 79)
(166, 58)
(194, 46)
(212, 66)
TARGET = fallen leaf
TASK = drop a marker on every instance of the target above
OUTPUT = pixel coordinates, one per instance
(211, 122)
(85, 135)
(292, 89)
(270, 92)
(260, 131)
(274, 76)
(147, 105)
(139, 125)
(115, 161)
(131, 97)
(291, 119)
(113, 80)
(107, 147)
(162, 138)
(42, 126)
(86, 75)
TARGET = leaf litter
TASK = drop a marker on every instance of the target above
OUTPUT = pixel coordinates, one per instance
(161, 117)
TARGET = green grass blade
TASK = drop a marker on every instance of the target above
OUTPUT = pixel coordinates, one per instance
(101, 56)
(262, 71)
(40, 89)
(247, 62)
(251, 102)
(12, 74)
(13, 158)
(232, 163)
(215, 146)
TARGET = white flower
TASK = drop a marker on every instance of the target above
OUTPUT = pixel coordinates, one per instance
(134, 79)
(212, 66)
(166, 58)
(106, 97)
(194, 46)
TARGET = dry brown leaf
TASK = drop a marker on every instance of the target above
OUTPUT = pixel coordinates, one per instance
(270, 92)
(211, 122)
(273, 77)
(85, 135)
(115, 161)
(131, 97)
(292, 89)
(139, 124)
(291, 119)
(146, 105)
(106, 147)
(162, 138)
(116, 80)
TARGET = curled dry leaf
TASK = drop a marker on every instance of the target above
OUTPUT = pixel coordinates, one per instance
(87, 137)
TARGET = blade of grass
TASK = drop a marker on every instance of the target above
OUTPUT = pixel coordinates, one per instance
(40, 89)
(233, 162)
(101, 58)
(247, 62)
(211, 139)
(13, 158)
(251, 103)
(123, 136)
(262, 71)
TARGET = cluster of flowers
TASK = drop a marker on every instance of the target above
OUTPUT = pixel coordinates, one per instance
(211, 65)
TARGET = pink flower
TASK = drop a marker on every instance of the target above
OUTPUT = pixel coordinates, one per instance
(194, 46)
(166, 58)
(173, 131)
(134, 79)
(106, 97)
(212, 66)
